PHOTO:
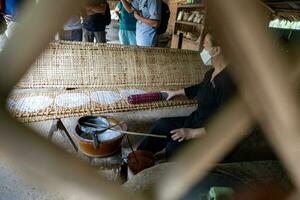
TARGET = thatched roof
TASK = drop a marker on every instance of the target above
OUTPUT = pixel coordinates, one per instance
(283, 9)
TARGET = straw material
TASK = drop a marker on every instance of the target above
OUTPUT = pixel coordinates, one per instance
(102, 76)
(31, 106)
(89, 65)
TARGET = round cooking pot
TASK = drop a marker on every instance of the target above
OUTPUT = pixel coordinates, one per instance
(93, 137)
(138, 161)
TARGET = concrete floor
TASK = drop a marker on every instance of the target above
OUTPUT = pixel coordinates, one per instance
(15, 185)
(112, 31)
(240, 176)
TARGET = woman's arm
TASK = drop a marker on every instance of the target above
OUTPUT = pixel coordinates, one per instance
(173, 93)
(127, 6)
(193, 90)
(117, 12)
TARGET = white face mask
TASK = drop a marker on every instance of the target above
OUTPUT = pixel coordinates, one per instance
(206, 57)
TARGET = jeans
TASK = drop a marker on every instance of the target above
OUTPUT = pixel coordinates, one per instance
(72, 35)
(88, 36)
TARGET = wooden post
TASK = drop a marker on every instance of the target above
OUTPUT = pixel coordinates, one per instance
(58, 124)
(179, 46)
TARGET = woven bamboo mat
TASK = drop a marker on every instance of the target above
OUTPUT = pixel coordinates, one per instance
(89, 65)
(28, 106)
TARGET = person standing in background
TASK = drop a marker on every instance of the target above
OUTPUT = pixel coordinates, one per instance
(127, 28)
(94, 23)
(10, 9)
(10, 12)
(148, 15)
(72, 30)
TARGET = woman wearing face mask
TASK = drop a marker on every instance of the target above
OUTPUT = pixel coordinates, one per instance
(212, 92)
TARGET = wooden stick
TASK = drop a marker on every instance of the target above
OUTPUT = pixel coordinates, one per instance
(141, 134)
(104, 129)
(125, 132)
(137, 161)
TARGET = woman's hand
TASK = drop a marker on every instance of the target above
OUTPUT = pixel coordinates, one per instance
(186, 133)
(173, 93)
(182, 134)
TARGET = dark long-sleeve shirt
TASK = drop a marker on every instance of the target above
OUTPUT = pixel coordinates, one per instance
(211, 95)
(97, 22)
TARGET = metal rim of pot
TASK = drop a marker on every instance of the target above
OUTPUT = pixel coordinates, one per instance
(96, 142)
